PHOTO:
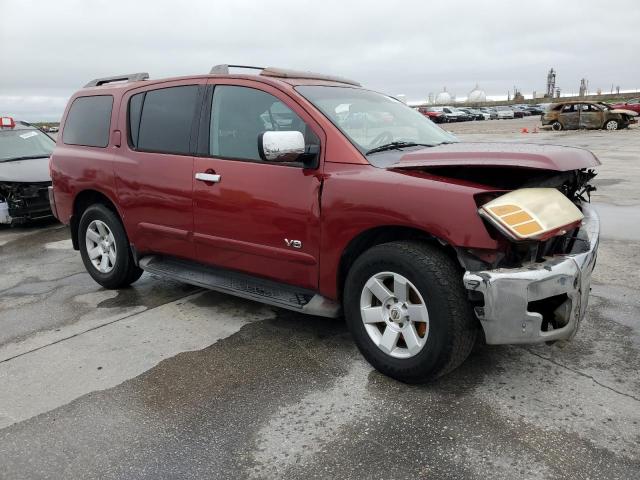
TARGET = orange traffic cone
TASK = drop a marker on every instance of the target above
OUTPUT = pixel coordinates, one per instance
(525, 130)
(535, 130)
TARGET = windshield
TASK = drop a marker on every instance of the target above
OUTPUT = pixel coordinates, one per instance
(18, 144)
(371, 120)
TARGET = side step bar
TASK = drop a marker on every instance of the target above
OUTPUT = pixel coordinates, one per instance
(241, 285)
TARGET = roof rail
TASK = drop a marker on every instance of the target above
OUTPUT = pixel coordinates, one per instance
(284, 73)
(223, 69)
(131, 77)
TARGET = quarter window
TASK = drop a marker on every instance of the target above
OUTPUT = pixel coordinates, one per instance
(240, 114)
(161, 120)
(88, 121)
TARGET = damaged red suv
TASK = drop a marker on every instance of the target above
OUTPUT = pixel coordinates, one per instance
(311, 193)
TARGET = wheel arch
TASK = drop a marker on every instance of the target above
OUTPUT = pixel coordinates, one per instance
(383, 234)
(619, 121)
(81, 202)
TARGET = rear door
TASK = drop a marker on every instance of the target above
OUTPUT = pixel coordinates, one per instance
(569, 116)
(260, 217)
(154, 166)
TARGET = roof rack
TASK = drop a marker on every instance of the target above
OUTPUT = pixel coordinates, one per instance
(284, 73)
(223, 69)
(131, 77)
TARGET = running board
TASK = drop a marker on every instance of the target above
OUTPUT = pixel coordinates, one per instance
(241, 285)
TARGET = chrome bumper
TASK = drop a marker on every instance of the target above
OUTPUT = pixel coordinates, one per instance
(507, 292)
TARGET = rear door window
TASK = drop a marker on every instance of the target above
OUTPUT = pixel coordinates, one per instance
(88, 121)
(161, 120)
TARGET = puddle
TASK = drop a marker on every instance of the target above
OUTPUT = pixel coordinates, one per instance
(619, 223)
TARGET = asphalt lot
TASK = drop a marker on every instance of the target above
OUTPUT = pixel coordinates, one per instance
(162, 380)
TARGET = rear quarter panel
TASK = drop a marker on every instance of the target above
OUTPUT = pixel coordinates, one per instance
(76, 168)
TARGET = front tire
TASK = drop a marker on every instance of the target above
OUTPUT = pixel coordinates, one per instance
(407, 310)
(556, 126)
(611, 125)
(104, 248)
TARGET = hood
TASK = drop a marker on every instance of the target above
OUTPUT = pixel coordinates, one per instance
(519, 155)
(624, 111)
(33, 170)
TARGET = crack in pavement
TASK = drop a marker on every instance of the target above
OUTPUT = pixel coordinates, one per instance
(96, 327)
(582, 374)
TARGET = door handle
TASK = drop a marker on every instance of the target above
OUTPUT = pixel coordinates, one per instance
(208, 177)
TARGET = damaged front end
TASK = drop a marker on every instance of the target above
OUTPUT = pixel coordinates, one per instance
(21, 202)
(534, 285)
(536, 288)
(543, 299)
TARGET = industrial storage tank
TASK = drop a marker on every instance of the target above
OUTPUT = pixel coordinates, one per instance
(443, 97)
(477, 95)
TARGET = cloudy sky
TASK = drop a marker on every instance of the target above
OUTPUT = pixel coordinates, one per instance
(48, 49)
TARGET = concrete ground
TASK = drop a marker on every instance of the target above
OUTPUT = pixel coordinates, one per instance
(163, 380)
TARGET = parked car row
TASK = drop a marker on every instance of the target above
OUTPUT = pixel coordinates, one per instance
(449, 114)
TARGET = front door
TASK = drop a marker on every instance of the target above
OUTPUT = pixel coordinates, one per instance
(250, 215)
(591, 117)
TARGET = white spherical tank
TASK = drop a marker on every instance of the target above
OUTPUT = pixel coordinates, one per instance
(477, 95)
(443, 97)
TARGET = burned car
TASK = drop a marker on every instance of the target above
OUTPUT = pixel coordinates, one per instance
(24, 172)
(587, 115)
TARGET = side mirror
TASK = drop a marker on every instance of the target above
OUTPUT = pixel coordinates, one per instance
(281, 146)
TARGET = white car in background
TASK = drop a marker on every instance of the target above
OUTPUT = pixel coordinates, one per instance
(24, 172)
(456, 114)
(504, 112)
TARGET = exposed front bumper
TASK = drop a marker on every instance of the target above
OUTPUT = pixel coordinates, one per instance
(22, 202)
(508, 293)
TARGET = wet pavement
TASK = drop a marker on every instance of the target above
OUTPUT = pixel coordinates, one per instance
(163, 380)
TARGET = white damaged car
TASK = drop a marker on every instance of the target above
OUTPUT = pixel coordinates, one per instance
(24, 172)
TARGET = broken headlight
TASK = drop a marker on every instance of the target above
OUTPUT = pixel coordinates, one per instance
(532, 213)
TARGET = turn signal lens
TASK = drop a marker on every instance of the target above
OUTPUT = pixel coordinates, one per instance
(532, 213)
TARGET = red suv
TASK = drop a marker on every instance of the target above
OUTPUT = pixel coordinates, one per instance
(311, 193)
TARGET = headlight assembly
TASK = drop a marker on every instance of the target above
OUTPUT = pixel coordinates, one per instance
(532, 213)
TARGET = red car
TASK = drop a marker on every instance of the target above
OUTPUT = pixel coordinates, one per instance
(310, 193)
(632, 104)
(433, 115)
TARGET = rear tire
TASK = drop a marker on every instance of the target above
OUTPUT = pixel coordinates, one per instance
(432, 280)
(104, 248)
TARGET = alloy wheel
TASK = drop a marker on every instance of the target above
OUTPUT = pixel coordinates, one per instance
(394, 314)
(101, 246)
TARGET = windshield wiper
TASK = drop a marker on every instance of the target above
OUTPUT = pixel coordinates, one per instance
(397, 146)
(29, 157)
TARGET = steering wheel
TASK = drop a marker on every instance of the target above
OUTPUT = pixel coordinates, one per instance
(381, 139)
